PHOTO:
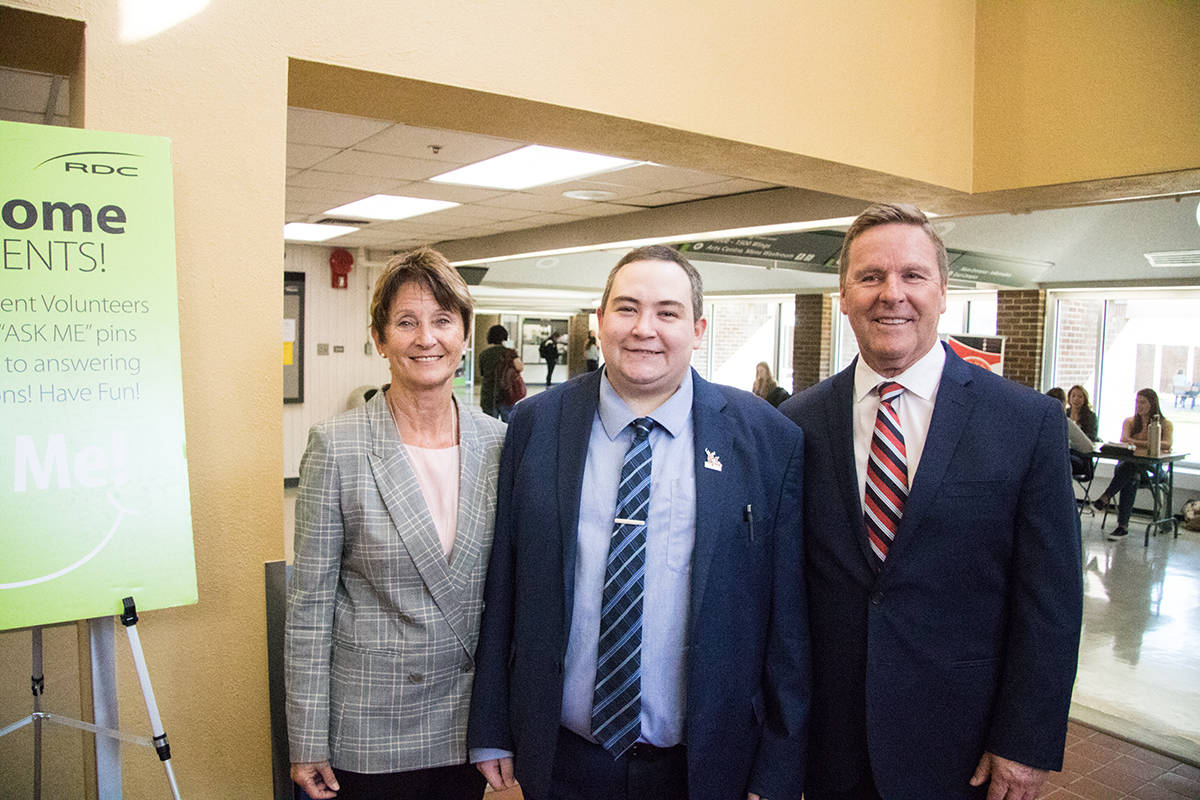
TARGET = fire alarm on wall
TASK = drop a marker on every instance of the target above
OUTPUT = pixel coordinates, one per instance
(340, 264)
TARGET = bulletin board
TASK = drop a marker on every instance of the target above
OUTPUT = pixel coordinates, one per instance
(293, 337)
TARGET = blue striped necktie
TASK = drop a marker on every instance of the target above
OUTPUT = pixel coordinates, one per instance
(616, 703)
(887, 474)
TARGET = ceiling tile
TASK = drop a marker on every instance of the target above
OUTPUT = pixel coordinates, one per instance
(367, 238)
(659, 178)
(467, 215)
(497, 212)
(546, 219)
(305, 208)
(324, 199)
(446, 191)
(618, 190)
(452, 147)
(360, 184)
(306, 126)
(303, 156)
(420, 226)
(534, 202)
(731, 186)
(660, 199)
(358, 162)
(601, 209)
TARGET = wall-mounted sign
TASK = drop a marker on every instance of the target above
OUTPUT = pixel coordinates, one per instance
(93, 471)
(982, 351)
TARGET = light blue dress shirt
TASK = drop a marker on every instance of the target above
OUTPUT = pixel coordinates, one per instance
(670, 536)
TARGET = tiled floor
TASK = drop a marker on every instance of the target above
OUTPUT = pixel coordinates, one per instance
(1097, 766)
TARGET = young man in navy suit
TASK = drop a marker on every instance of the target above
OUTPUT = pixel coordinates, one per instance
(645, 630)
(942, 548)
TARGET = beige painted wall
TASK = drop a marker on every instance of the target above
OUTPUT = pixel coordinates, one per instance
(1078, 90)
(881, 85)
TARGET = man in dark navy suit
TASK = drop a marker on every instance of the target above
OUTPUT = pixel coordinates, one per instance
(942, 548)
(645, 633)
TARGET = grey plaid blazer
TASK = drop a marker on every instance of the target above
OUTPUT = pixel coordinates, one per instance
(381, 630)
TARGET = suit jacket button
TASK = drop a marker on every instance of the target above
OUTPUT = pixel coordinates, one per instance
(876, 598)
(415, 677)
(406, 619)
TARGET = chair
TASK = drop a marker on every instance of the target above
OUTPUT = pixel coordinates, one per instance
(1083, 471)
(1157, 484)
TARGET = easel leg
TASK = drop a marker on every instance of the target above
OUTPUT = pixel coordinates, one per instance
(161, 746)
(37, 685)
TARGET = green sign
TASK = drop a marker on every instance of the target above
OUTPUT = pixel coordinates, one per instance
(93, 470)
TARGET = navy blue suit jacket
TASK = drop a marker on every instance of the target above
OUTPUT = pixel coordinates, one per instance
(967, 638)
(747, 663)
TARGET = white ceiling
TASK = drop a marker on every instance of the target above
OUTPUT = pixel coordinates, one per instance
(334, 159)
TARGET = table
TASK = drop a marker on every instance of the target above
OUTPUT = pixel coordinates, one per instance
(1162, 491)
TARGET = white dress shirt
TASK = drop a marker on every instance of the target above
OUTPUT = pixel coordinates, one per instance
(914, 407)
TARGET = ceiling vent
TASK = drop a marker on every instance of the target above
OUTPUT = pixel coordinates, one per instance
(1174, 258)
(340, 221)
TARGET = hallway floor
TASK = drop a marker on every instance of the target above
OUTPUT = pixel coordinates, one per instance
(1139, 658)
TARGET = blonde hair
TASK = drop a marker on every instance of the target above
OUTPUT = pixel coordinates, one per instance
(764, 384)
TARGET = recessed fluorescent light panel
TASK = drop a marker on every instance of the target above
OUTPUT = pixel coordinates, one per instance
(389, 206)
(534, 165)
(309, 232)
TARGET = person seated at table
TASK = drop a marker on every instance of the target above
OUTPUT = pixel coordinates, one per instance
(1081, 446)
(1127, 474)
(1079, 409)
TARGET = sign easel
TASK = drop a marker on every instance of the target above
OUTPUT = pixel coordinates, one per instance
(92, 452)
(159, 742)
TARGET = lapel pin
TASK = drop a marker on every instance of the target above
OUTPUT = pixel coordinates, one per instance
(712, 460)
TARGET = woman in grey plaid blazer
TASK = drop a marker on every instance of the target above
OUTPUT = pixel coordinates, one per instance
(393, 532)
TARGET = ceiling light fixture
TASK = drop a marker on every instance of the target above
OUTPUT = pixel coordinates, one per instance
(534, 165)
(311, 232)
(589, 194)
(1174, 258)
(390, 206)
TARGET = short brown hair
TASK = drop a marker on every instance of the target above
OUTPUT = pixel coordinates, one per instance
(889, 214)
(659, 252)
(430, 270)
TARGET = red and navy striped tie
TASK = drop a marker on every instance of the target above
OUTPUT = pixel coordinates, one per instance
(887, 474)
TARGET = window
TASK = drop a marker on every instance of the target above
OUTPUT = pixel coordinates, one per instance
(742, 332)
(1116, 343)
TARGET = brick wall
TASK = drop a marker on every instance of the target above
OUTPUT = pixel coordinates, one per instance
(811, 340)
(1078, 342)
(1021, 319)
